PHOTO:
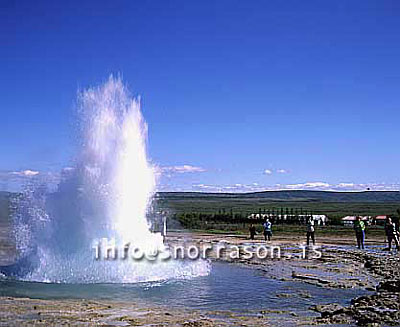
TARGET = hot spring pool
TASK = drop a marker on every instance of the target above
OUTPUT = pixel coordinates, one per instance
(227, 287)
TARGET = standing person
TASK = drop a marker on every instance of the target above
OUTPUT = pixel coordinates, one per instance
(391, 233)
(310, 230)
(359, 228)
(252, 231)
(267, 230)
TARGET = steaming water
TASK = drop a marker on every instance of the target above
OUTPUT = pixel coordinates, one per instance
(106, 194)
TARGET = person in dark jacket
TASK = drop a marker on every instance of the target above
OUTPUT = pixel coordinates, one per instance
(391, 233)
(252, 231)
(310, 230)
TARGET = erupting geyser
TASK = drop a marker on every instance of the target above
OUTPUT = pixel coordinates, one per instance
(105, 195)
(115, 159)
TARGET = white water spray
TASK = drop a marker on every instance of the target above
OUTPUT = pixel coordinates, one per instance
(107, 195)
(116, 159)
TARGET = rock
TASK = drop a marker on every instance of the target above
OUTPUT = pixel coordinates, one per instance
(390, 286)
(198, 323)
(327, 310)
(341, 318)
(305, 295)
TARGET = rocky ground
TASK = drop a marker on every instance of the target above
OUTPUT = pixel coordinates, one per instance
(30, 312)
(342, 266)
(381, 308)
(339, 267)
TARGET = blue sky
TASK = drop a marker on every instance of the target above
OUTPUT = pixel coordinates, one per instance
(238, 95)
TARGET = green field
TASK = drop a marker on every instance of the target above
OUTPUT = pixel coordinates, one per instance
(229, 211)
(215, 211)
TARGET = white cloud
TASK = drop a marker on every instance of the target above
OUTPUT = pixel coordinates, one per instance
(282, 171)
(14, 180)
(183, 169)
(317, 184)
(366, 186)
(211, 188)
(236, 188)
(312, 186)
(308, 185)
(267, 171)
(344, 185)
(25, 173)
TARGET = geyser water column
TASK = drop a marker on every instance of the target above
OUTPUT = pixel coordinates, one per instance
(115, 151)
(105, 195)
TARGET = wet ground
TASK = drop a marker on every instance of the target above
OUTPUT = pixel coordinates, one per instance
(287, 291)
(229, 290)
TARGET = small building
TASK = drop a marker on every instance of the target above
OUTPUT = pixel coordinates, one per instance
(379, 220)
(289, 218)
(320, 219)
(349, 220)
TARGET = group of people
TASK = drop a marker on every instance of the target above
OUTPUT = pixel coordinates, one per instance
(267, 230)
(392, 232)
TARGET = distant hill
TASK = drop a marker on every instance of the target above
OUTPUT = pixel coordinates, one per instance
(333, 204)
(4, 206)
(290, 196)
